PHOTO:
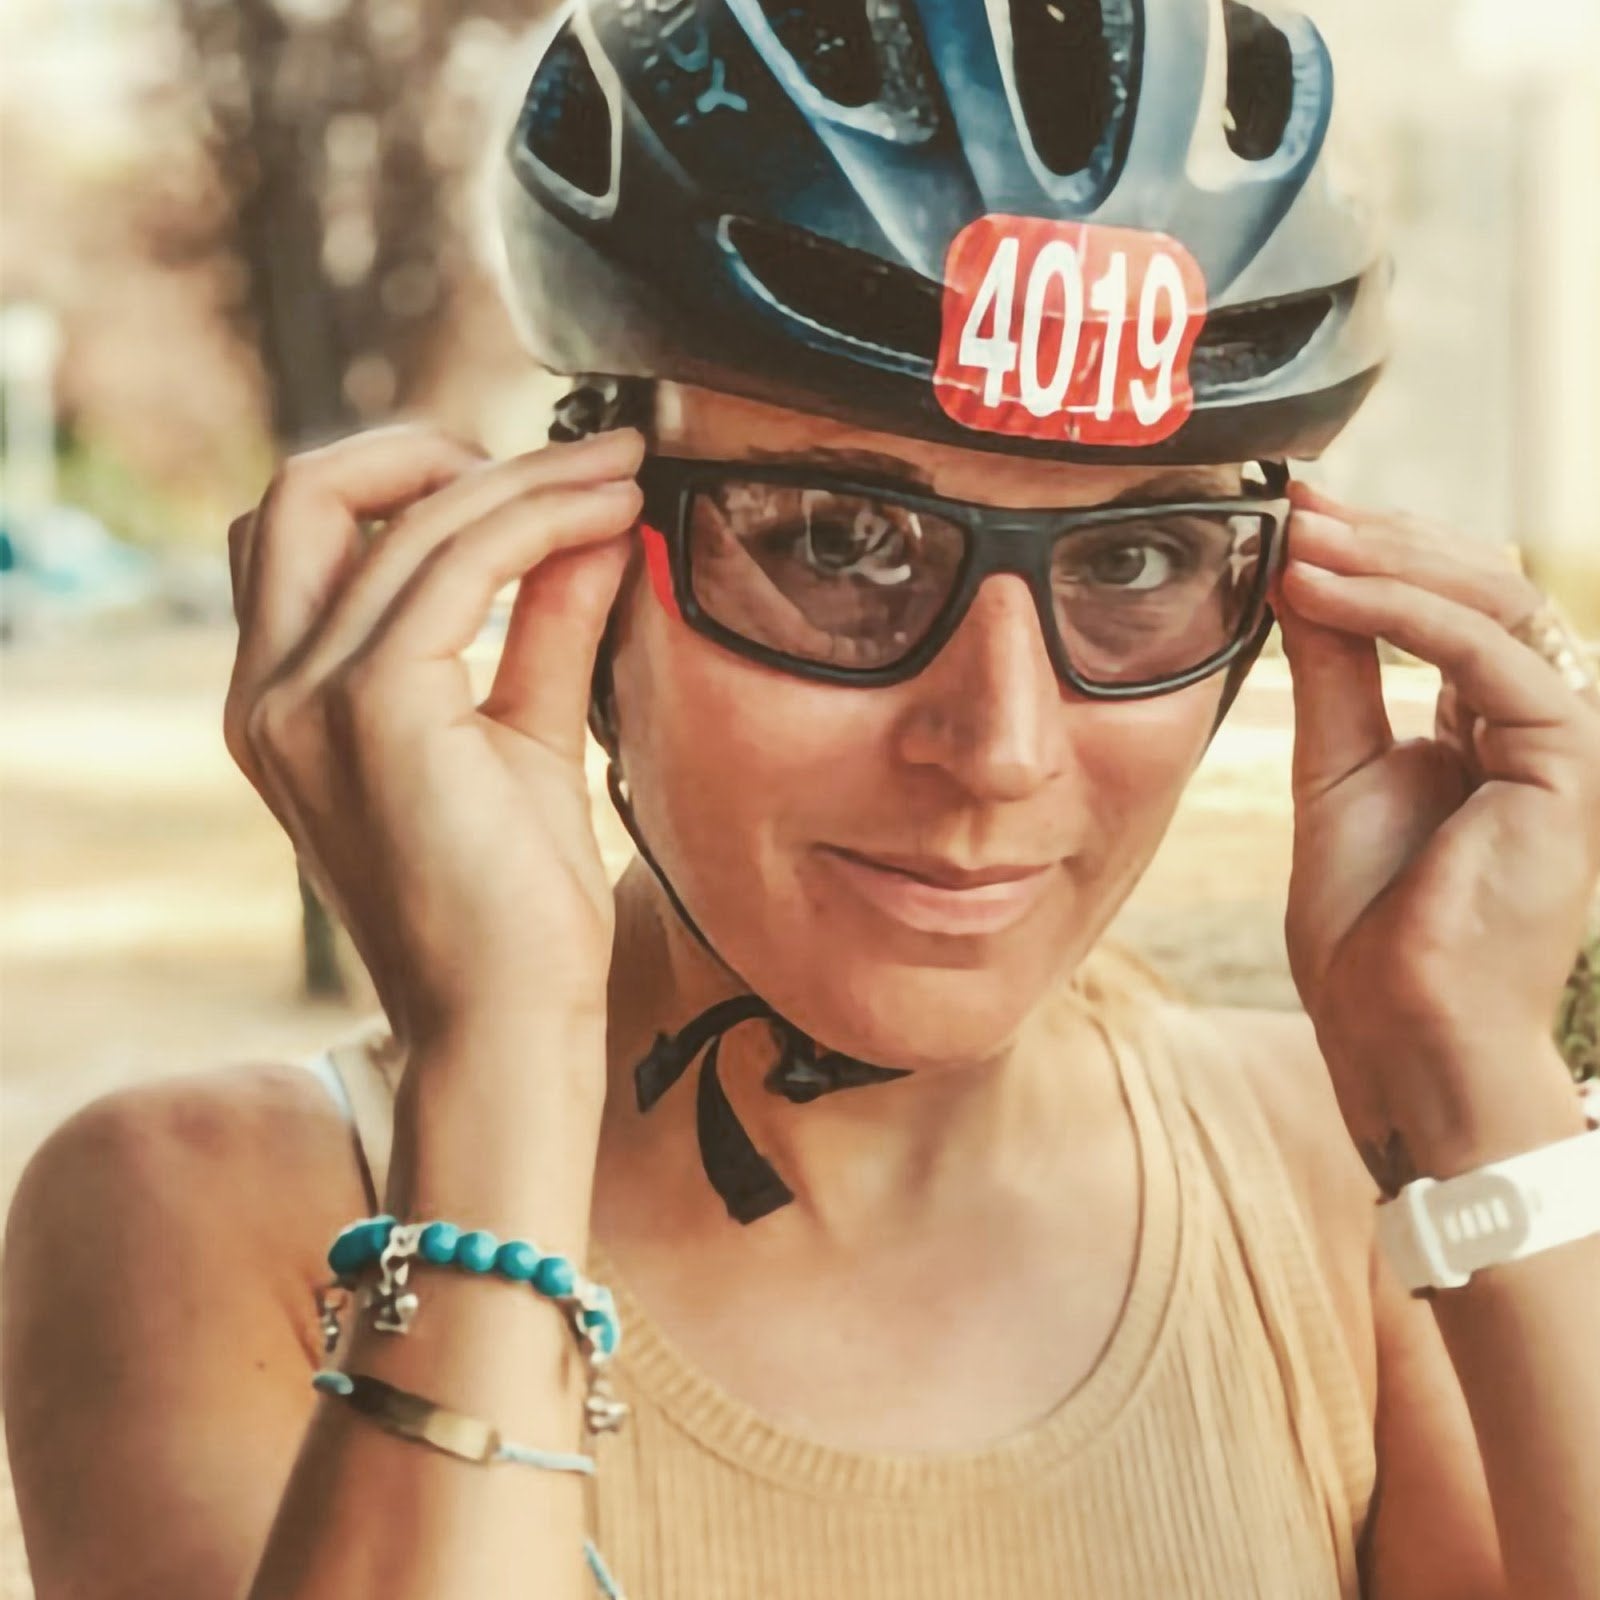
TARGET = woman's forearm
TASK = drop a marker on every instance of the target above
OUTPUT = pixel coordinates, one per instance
(1523, 1338)
(495, 1133)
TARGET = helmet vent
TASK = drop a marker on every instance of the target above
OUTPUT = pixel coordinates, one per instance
(842, 291)
(831, 42)
(1062, 69)
(567, 118)
(1260, 82)
(1243, 345)
(856, 53)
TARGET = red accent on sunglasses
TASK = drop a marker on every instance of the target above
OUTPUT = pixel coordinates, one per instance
(659, 562)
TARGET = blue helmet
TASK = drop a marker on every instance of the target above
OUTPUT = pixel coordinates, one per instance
(765, 197)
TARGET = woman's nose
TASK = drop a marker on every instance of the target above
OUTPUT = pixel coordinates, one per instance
(989, 708)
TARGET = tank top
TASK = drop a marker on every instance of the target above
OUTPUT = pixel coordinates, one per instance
(1220, 1449)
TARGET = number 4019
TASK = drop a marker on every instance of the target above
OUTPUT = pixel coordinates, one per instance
(1057, 272)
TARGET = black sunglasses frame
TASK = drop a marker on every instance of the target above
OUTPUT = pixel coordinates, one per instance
(997, 540)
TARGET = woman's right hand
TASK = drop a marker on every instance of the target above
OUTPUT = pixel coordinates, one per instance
(453, 838)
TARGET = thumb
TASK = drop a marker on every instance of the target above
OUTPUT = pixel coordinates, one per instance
(541, 685)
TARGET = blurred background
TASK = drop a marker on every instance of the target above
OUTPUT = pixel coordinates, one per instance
(232, 228)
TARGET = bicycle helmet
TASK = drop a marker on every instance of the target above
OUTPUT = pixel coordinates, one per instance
(762, 197)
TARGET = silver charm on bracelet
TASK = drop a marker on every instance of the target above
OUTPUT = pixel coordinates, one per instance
(394, 1305)
(602, 1410)
(332, 1298)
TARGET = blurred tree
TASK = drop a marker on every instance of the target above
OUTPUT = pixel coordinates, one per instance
(343, 133)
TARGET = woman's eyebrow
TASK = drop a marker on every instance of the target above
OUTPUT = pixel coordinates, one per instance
(873, 463)
(1178, 483)
(1191, 483)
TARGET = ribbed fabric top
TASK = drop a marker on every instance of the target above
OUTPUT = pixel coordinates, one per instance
(1220, 1449)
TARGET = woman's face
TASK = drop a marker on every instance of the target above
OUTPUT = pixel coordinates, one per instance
(760, 793)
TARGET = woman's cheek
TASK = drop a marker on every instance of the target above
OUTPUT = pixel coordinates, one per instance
(1135, 758)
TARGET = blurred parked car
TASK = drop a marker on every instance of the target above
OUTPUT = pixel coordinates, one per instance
(62, 568)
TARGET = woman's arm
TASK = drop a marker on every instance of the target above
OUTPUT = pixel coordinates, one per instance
(1440, 888)
(160, 1339)
(1489, 1413)
(159, 1331)
(366, 1513)
(156, 1381)
(1522, 1338)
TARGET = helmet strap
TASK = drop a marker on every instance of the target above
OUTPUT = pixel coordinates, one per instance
(802, 1071)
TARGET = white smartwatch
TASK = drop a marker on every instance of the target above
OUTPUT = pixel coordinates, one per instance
(1437, 1234)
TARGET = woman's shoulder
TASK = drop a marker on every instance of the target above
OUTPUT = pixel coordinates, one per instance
(160, 1325)
(242, 1161)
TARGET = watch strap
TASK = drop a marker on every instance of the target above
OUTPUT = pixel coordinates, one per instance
(1437, 1233)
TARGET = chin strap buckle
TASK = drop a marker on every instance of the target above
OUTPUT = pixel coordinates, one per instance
(801, 1075)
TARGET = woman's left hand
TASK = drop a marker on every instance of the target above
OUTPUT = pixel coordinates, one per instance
(1440, 887)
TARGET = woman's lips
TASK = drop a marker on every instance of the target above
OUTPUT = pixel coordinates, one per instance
(930, 908)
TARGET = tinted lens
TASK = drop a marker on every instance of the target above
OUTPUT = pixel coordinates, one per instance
(1152, 598)
(846, 580)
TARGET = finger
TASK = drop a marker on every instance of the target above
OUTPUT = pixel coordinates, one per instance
(542, 683)
(394, 560)
(416, 649)
(1340, 721)
(1498, 677)
(240, 532)
(1462, 570)
(1451, 721)
(1306, 498)
(308, 527)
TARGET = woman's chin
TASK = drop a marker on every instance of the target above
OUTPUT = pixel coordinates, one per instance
(917, 1020)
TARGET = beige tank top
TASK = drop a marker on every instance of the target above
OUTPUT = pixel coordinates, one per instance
(1220, 1450)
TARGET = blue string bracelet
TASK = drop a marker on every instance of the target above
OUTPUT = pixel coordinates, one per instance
(410, 1416)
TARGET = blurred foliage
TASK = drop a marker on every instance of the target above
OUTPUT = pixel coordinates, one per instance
(1578, 1022)
(343, 135)
(153, 513)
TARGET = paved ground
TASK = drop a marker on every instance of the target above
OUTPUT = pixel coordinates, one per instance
(149, 917)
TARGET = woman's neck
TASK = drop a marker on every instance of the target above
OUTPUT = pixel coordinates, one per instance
(866, 1165)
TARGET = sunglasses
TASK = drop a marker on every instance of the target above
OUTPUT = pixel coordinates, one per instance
(851, 581)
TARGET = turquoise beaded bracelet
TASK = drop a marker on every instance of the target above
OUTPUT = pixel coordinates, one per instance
(442, 1244)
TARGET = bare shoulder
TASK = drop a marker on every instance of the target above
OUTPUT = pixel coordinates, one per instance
(1278, 1050)
(255, 1151)
(159, 1325)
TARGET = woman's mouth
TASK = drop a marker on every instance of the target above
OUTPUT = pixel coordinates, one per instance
(939, 897)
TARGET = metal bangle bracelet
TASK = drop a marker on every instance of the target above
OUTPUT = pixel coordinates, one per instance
(411, 1416)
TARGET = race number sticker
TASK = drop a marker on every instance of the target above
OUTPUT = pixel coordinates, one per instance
(1068, 330)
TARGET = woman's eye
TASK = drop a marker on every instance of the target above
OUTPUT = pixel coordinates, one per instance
(865, 544)
(1131, 566)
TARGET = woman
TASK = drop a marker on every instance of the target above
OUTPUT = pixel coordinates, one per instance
(973, 1264)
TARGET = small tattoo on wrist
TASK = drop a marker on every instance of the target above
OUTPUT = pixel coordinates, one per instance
(1390, 1163)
